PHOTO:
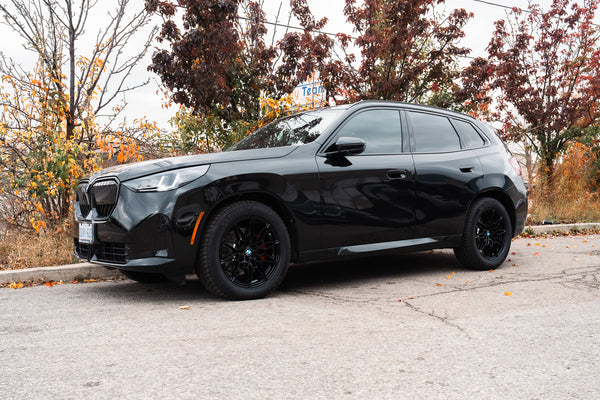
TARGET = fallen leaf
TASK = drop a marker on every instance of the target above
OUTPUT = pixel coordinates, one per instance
(399, 300)
(492, 270)
(513, 253)
(515, 265)
(447, 276)
(537, 244)
(16, 285)
(576, 259)
(467, 282)
(453, 273)
(50, 284)
(411, 297)
(188, 307)
(507, 293)
(536, 254)
(585, 241)
(438, 284)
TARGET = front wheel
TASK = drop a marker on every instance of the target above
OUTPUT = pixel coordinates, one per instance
(245, 251)
(486, 236)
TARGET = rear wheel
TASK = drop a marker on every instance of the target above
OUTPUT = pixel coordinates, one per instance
(245, 251)
(486, 236)
(144, 277)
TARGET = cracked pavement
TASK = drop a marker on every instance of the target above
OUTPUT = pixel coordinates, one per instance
(404, 326)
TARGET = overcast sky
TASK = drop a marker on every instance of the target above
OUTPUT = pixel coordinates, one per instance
(145, 101)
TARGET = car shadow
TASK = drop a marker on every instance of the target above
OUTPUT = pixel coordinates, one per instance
(359, 271)
(313, 276)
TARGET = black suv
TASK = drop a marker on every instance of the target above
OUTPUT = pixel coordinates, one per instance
(339, 181)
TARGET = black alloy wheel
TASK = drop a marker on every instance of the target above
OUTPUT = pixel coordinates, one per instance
(486, 237)
(249, 252)
(245, 251)
(490, 233)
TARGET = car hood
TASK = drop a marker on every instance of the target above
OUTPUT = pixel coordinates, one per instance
(130, 171)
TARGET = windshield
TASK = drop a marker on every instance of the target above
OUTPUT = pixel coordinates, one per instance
(289, 131)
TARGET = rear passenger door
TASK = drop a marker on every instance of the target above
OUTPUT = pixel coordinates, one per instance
(448, 173)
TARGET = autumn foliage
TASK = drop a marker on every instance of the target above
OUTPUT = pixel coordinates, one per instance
(407, 51)
(543, 76)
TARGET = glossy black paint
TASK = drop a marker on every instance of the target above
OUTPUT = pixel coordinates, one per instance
(332, 203)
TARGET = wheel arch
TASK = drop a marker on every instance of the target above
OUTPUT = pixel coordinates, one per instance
(504, 199)
(267, 199)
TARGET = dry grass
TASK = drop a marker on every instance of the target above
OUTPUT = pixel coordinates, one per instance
(572, 195)
(564, 208)
(30, 249)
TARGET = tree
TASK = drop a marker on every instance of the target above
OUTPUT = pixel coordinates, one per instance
(543, 71)
(54, 31)
(408, 53)
(48, 129)
(218, 64)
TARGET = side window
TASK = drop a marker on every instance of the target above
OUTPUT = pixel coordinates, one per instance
(380, 129)
(468, 134)
(433, 133)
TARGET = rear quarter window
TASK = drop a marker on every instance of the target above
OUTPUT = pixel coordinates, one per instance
(433, 133)
(469, 136)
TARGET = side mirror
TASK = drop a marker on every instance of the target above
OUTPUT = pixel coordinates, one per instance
(346, 146)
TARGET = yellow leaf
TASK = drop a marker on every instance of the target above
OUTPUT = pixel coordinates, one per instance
(184, 307)
(507, 293)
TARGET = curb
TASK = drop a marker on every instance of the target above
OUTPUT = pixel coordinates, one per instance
(562, 227)
(67, 273)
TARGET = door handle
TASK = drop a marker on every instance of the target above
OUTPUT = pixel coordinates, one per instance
(466, 169)
(398, 174)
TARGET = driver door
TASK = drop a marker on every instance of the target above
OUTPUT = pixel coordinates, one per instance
(368, 198)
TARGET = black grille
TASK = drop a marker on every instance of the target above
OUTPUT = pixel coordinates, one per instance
(106, 251)
(104, 197)
(112, 252)
(82, 198)
(83, 250)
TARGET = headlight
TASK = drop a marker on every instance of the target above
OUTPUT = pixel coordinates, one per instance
(164, 181)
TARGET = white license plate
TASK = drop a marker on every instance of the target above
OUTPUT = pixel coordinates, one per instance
(86, 232)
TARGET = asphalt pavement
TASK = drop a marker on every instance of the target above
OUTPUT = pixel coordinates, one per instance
(397, 327)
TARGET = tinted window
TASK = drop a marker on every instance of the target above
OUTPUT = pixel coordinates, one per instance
(289, 131)
(380, 129)
(433, 133)
(468, 134)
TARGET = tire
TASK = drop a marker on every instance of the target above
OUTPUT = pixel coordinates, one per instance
(144, 277)
(486, 237)
(244, 252)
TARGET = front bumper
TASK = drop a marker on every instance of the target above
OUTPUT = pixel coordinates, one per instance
(144, 232)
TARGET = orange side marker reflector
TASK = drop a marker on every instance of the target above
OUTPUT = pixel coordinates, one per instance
(196, 228)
